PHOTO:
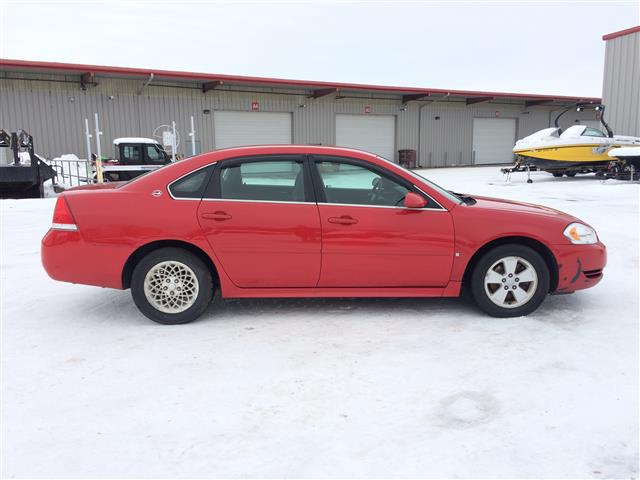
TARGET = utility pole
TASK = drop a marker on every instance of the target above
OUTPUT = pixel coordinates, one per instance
(99, 152)
(173, 141)
(193, 138)
(88, 138)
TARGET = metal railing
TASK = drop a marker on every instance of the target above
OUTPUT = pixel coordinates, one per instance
(72, 173)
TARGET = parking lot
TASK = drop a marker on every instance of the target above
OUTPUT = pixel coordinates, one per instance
(327, 388)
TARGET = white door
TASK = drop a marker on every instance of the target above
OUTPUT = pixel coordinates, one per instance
(493, 140)
(372, 133)
(234, 129)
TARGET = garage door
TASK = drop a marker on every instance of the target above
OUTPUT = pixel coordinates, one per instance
(233, 129)
(493, 140)
(373, 133)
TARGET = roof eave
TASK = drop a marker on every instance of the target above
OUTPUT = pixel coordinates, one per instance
(243, 80)
(621, 33)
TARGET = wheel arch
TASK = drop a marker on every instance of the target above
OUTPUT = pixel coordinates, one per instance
(532, 243)
(142, 251)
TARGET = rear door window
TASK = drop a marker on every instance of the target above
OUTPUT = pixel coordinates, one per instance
(272, 178)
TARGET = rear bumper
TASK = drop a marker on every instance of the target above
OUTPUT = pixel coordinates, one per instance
(68, 258)
(579, 266)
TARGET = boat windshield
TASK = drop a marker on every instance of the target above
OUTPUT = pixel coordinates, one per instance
(445, 193)
(592, 132)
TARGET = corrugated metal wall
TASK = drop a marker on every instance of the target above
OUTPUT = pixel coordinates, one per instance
(53, 108)
(621, 86)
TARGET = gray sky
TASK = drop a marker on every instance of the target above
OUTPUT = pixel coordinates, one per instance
(532, 47)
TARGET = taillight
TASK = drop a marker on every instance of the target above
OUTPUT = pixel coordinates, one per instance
(62, 218)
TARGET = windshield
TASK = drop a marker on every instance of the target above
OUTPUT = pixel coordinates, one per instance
(445, 193)
(592, 132)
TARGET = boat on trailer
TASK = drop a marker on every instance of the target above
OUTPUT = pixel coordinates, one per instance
(578, 149)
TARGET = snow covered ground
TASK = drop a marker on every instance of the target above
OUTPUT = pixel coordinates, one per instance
(326, 388)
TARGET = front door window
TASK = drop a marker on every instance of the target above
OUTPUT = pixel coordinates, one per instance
(357, 185)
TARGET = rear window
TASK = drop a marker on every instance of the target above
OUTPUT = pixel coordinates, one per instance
(192, 185)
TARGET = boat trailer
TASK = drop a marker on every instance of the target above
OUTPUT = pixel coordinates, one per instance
(616, 169)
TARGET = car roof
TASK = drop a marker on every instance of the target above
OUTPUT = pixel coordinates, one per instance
(117, 141)
(290, 148)
(182, 167)
(173, 171)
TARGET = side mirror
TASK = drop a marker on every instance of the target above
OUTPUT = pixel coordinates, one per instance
(413, 200)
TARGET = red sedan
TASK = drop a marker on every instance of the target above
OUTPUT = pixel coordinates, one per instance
(311, 221)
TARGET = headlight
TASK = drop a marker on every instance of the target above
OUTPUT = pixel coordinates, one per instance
(580, 234)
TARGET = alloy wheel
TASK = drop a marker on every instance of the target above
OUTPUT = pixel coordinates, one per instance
(171, 287)
(511, 282)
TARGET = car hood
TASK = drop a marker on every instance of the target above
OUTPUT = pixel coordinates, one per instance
(499, 204)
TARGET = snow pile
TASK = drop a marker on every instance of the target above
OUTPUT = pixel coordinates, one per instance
(68, 157)
(326, 388)
(24, 158)
(622, 152)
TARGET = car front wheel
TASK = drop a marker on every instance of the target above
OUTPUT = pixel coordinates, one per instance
(510, 281)
(171, 286)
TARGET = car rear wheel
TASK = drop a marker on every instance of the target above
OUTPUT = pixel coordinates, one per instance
(171, 286)
(510, 281)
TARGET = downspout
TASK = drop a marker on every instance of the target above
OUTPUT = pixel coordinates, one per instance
(420, 123)
(144, 85)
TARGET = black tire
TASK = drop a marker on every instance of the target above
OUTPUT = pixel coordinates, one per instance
(199, 269)
(481, 268)
(571, 174)
(557, 174)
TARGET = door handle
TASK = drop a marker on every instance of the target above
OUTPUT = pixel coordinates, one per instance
(218, 216)
(343, 220)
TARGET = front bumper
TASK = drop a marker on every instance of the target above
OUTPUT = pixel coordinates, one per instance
(579, 266)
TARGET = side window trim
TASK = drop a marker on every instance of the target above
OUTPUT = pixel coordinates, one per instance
(322, 197)
(316, 179)
(213, 190)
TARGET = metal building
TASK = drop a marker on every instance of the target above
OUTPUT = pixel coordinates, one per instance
(621, 86)
(444, 127)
